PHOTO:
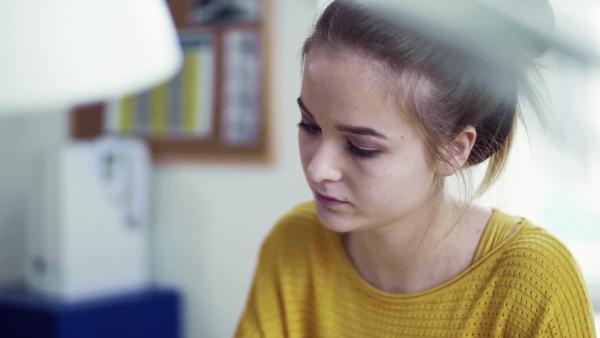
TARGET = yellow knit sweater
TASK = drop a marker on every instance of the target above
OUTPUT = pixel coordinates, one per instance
(523, 285)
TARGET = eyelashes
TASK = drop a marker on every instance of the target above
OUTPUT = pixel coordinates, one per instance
(308, 128)
(362, 153)
(358, 152)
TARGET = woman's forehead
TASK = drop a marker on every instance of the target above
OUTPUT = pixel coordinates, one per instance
(350, 81)
(337, 63)
(339, 90)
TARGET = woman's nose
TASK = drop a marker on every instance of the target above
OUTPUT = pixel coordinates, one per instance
(325, 165)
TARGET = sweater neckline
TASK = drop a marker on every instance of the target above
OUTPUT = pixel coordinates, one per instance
(495, 220)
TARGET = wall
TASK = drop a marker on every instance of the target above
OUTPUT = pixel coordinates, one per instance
(11, 202)
(209, 220)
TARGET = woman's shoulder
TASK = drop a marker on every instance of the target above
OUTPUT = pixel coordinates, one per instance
(539, 260)
(531, 245)
(522, 252)
(534, 244)
(549, 258)
(545, 272)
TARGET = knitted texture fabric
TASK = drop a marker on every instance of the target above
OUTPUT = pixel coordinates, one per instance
(523, 285)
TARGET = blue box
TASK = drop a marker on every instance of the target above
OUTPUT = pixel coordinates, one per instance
(153, 313)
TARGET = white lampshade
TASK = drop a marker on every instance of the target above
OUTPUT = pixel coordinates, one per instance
(58, 53)
(486, 28)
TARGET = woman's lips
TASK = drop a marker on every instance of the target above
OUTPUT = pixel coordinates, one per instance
(327, 201)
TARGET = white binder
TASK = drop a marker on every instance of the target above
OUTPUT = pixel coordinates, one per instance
(87, 219)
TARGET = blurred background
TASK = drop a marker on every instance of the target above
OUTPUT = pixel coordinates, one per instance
(206, 216)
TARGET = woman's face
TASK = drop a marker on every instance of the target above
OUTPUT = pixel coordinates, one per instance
(365, 164)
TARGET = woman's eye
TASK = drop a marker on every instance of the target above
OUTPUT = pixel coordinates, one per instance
(309, 128)
(362, 153)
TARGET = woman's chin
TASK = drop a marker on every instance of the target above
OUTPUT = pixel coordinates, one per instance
(335, 220)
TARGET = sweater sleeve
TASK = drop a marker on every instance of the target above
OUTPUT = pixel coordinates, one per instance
(572, 315)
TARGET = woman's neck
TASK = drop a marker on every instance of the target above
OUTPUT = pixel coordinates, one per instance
(414, 256)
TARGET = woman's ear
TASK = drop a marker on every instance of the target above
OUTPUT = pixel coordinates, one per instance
(457, 152)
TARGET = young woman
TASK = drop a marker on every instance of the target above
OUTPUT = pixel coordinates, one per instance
(384, 250)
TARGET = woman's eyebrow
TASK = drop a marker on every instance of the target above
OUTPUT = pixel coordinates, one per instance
(345, 128)
(303, 107)
(360, 131)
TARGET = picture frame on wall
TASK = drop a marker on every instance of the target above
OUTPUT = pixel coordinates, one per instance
(241, 99)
